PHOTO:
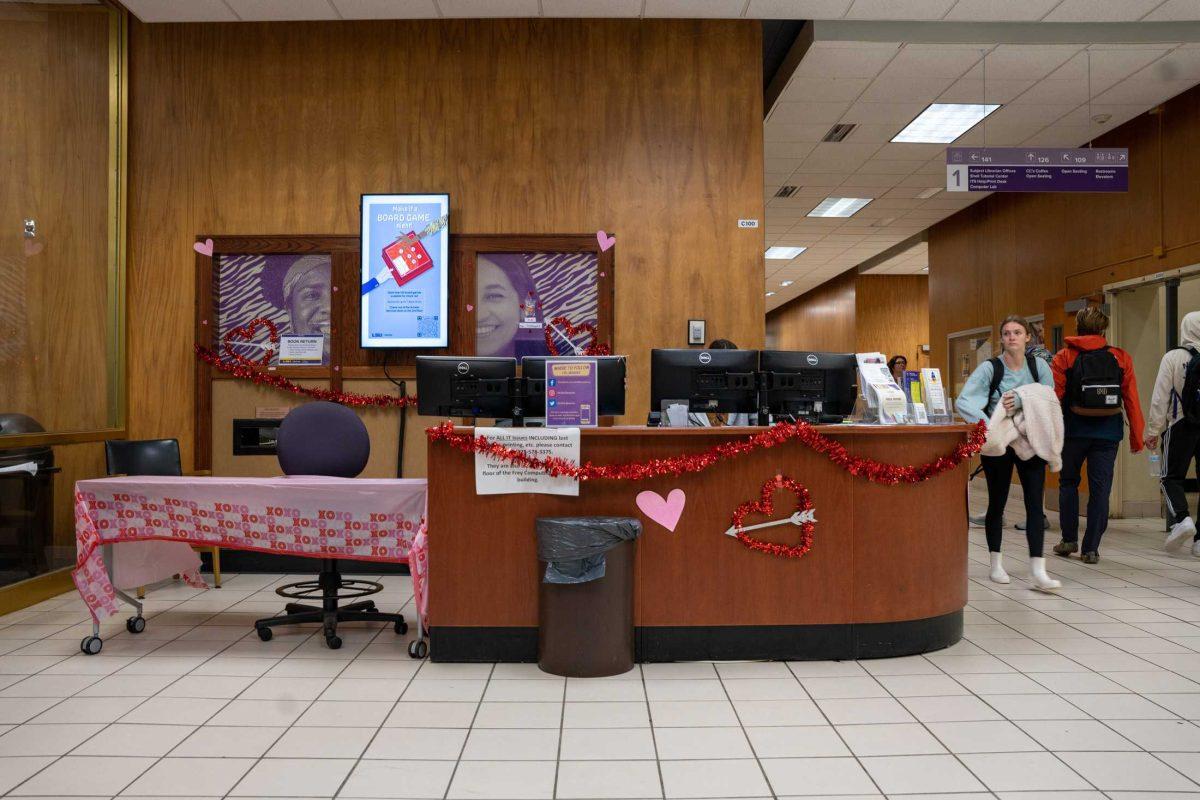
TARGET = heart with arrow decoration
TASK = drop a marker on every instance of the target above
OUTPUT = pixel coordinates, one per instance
(803, 517)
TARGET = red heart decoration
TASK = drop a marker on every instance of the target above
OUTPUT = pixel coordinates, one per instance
(766, 505)
(247, 332)
(571, 331)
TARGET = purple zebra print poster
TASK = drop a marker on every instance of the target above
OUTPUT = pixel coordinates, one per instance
(291, 291)
(517, 294)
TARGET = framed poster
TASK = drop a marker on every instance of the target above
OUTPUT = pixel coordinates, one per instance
(405, 261)
(291, 292)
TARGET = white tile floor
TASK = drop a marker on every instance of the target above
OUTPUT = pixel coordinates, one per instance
(1087, 694)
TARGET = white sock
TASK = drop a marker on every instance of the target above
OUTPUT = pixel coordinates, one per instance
(998, 575)
(1037, 574)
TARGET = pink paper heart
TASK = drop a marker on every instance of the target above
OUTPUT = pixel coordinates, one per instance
(664, 512)
(470, 307)
(605, 240)
(204, 248)
(32, 247)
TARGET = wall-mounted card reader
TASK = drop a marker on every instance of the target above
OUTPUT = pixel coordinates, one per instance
(255, 437)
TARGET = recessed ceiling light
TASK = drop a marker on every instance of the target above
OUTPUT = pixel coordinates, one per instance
(787, 283)
(942, 123)
(839, 206)
(784, 253)
(770, 294)
(928, 193)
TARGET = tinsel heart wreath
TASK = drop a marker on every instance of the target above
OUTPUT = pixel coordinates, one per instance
(246, 332)
(766, 505)
(571, 331)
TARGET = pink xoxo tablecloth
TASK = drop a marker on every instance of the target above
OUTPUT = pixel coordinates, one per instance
(353, 518)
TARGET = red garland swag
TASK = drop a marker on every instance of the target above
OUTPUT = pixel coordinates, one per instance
(571, 330)
(779, 433)
(260, 378)
(766, 505)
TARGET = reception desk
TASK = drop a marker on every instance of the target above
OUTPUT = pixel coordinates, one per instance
(886, 576)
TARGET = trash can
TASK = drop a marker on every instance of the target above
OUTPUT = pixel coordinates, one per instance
(585, 604)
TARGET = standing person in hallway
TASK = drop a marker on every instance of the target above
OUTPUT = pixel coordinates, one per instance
(993, 383)
(1175, 417)
(1094, 382)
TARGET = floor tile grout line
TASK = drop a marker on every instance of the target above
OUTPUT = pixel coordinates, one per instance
(462, 751)
(662, 783)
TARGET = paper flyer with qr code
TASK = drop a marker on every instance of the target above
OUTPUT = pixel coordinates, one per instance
(405, 258)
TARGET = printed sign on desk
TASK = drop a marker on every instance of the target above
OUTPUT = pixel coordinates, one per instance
(493, 476)
(570, 394)
(295, 350)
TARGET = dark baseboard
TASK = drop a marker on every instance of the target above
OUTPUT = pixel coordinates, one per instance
(721, 643)
(252, 561)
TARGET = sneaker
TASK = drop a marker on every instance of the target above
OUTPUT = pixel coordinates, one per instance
(1180, 532)
(1065, 548)
(1091, 558)
(1045, 524)
(979, 521)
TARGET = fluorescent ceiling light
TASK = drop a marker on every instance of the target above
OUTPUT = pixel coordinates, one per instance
(839, 206)
(784, 253)
(787, 283)
(942, 123)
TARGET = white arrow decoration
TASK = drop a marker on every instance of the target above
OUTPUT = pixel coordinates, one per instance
(797, 519)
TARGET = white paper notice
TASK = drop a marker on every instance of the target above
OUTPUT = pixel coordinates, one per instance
(500, 477)
(933, 391)
(301, 349)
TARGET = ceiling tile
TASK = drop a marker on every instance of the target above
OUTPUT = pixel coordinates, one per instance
(792, 132)
(879, 133)
(257, 10)
(823, 61)
(1101, 10)
(488, 8)
(1143, 92)
(903, 151)
(934, 61)
(809, 89)
(193, 11)
(893, 88)
(788, 149)
(582, 9)
(693, 9)
(884, 166)
(822, 179)
(797, 9)
(1108, 65)
(1059, 136)
(386, 9)
(871, 184)
(1119, 114)
(1180, 64)
(1005, 11)
(972, 90)
(884, 113)
(807, 113)
(1022, 61)
(899, 9)
(1055, 92)
(1175, 10)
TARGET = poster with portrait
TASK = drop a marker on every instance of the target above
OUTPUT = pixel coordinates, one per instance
(517, 295)
(292, 292)
(405, 268)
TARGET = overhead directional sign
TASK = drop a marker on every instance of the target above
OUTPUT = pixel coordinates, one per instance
(1037, 169)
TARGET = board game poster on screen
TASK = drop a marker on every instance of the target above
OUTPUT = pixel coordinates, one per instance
(405, 259)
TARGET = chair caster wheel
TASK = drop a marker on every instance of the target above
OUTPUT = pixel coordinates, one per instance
(265, 634)
(418, 648)
(333, 642)
(135, 624)
(91, 645)
(401, 627)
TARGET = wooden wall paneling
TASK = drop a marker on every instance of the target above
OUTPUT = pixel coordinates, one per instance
(651, 129)
(822, 319)
(892, 316)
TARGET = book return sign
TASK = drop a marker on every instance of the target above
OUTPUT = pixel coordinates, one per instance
(1037, 169)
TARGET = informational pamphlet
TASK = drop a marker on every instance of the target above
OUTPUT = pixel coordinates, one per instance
(571, 394)
(493, 476)
(912, 385)
(933, 392)
(919, 415)
(880, 390)
(300, 350)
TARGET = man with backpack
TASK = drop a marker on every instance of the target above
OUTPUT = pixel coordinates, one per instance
(1175, 417)
(1095, 384)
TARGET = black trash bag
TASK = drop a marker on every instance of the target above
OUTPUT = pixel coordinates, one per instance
(574, 547)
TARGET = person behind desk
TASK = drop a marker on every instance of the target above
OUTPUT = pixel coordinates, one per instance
(897, 365)
(701, 420)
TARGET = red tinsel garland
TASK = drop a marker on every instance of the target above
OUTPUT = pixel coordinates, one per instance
(569, 329)
(257, 376)
(866, 468)
(766, 505)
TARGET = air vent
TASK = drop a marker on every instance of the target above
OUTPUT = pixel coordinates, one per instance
(786, 191)
(839, 132)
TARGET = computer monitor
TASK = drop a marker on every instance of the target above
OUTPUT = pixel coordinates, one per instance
(807, 384)
(610, 383)
(707, 380)
(449, 386)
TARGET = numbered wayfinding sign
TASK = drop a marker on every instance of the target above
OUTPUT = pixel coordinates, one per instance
(571, 393)
(1037, 169)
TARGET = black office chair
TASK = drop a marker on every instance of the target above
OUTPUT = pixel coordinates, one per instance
(326, 439)
(153, 457)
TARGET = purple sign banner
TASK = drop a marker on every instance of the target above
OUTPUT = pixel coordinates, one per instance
(571, 391)
(1037, 169)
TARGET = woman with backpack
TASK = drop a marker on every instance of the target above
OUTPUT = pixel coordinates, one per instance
(1095, 383)
(1175, 416)
(992, 384)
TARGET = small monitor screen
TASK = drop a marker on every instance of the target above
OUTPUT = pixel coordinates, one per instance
(405, 242)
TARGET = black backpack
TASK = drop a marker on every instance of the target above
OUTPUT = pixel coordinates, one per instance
(998, 375)
(1094, 384)
(1190, 401)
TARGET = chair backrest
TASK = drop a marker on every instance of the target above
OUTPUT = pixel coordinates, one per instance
(143, 457)
(323, 438)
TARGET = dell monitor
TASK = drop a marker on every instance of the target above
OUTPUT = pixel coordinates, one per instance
(448, 386)
(722, 381)
(808, 385)
(610, 383)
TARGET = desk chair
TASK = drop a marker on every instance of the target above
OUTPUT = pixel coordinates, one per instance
(153, 457)
(326, 439)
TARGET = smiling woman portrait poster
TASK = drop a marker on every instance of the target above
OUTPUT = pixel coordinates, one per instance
(517, 294)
